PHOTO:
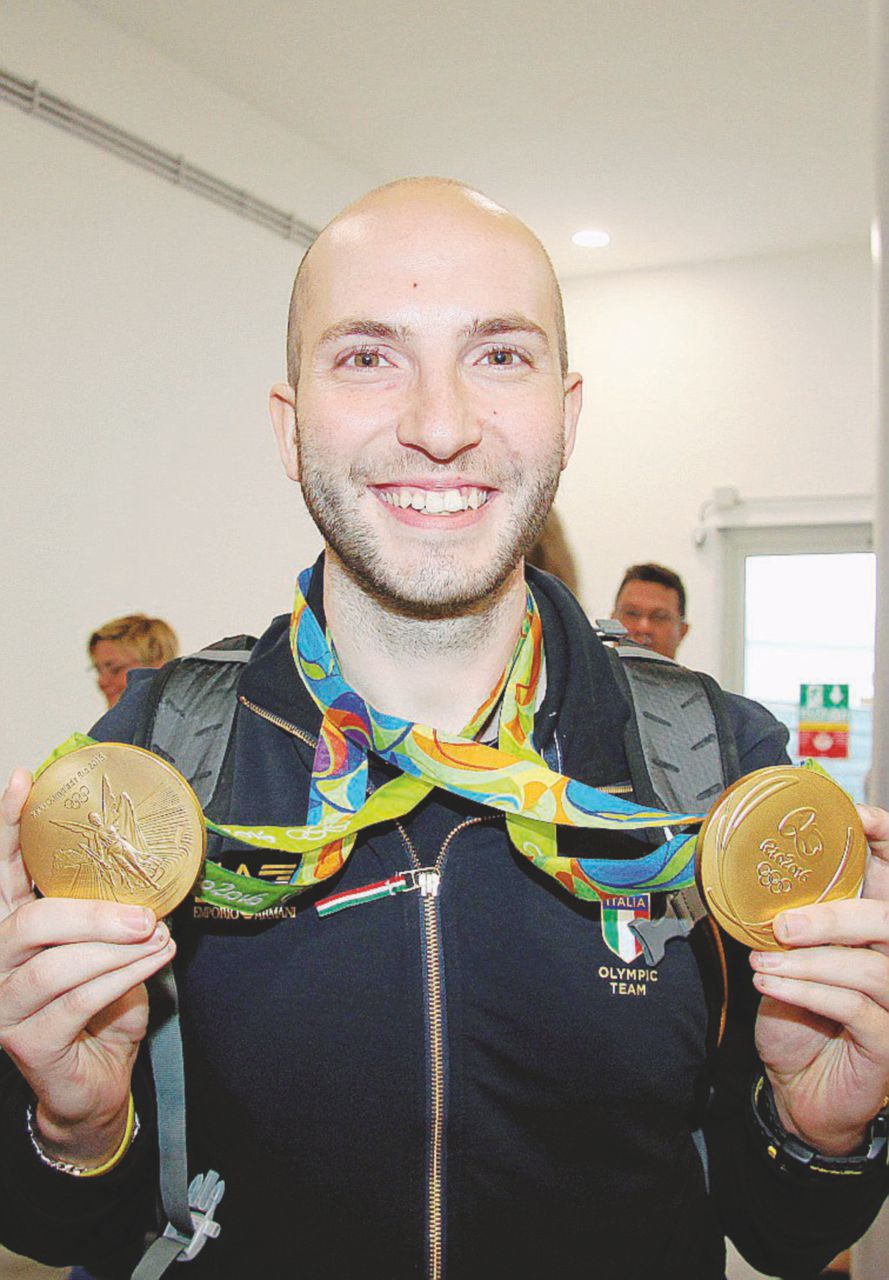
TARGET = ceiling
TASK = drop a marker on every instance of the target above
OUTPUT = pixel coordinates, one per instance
(688, 129)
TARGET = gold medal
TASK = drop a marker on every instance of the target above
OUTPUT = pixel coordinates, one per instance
(114, 822)
(778, 838)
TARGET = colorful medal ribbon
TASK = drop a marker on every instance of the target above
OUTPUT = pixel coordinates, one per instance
(511, 777)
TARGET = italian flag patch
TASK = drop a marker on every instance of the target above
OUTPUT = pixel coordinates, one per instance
(617, 912)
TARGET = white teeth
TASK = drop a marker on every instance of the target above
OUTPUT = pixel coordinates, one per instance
(435, 502)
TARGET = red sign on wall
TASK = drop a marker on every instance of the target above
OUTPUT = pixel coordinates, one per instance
(824, 720)
(824, 742)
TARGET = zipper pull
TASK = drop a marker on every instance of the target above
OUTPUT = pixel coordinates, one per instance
(370, 893)
(424, 879)
(427, 881)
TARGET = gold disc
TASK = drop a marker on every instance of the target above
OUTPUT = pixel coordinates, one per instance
(114, 822)
(778, 838)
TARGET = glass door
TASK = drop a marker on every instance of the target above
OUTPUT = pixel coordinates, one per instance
(805, 615)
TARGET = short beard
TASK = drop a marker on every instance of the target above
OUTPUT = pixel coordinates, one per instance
(439, 586)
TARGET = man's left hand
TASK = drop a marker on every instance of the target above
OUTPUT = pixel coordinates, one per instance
(823, 1025)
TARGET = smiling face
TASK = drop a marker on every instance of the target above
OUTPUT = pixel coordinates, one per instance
(432, 417)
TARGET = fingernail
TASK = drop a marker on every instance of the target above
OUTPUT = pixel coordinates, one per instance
(160, 935)
(792, 926)
(137, 919)
(767, 959)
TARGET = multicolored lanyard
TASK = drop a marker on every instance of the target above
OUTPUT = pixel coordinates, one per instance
(511, 777)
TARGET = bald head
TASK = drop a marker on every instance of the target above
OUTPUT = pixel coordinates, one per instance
(438, 205)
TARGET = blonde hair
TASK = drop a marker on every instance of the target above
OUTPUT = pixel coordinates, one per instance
(152, 640)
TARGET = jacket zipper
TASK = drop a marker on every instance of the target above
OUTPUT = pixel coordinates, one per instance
(429, 879)
(276, 720)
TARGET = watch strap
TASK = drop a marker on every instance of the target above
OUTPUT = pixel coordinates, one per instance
(792, 1155)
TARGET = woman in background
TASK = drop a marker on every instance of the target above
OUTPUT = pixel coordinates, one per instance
(123, 643)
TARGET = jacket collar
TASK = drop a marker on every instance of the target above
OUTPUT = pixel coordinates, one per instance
(583, 712)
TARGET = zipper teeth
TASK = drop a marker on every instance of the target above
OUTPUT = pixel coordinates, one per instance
(276, 720)
(436, 1054)
(436, 1045)
(619, 789)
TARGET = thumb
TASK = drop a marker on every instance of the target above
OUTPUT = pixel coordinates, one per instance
(876, 827)
(15, 885)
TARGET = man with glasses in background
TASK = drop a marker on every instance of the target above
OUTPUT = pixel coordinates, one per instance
(650, 603)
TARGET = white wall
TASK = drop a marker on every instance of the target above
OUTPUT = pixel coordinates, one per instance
(141, 329)
(756, 373)
(147, 325)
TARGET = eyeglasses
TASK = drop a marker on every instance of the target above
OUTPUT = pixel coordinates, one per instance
(659, 617)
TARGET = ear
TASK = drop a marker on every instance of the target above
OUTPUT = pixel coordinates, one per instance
(282, 407)
(683, 630)
(573, 402)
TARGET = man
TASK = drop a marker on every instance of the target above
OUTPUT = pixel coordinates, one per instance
(454, 1077)
(650, 603)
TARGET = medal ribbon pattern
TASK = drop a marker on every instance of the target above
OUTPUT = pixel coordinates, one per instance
(511, 777)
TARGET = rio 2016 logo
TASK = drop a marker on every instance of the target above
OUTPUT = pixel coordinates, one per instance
(797, 829)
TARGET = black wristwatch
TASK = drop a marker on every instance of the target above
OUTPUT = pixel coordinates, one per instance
(792, 1155)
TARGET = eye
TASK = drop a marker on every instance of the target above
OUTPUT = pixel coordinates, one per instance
(503, 358)
(363, 358)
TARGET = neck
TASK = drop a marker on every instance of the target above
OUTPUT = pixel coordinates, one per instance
(433, 671)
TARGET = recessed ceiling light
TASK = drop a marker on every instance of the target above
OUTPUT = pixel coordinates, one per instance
(591, 239)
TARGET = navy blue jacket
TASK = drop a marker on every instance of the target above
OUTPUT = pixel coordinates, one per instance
(474, 1082)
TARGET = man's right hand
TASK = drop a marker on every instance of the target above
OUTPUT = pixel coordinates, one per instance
(73, 1005)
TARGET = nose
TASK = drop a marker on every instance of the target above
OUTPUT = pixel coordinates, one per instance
(440, 419)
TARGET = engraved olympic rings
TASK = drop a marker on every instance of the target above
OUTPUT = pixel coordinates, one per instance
(771, 879)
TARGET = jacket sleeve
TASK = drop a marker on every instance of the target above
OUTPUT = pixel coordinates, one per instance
(54, 1217)
(788, 1225)
(59, 1219)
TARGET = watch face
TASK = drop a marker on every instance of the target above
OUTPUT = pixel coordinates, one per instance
(778, 838)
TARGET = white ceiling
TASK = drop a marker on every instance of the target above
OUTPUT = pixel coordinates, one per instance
(688, 129)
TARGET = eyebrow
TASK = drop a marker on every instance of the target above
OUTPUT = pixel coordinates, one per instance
(512, 323)
(358, 328)
(494, 327)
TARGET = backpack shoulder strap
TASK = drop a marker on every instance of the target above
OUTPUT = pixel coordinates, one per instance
(188, 720)
(679, 740)
(682, 754)
(190, 712)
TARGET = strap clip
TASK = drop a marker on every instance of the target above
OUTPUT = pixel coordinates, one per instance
(204, 1194)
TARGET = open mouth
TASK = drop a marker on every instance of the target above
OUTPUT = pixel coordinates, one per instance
(433, 502)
